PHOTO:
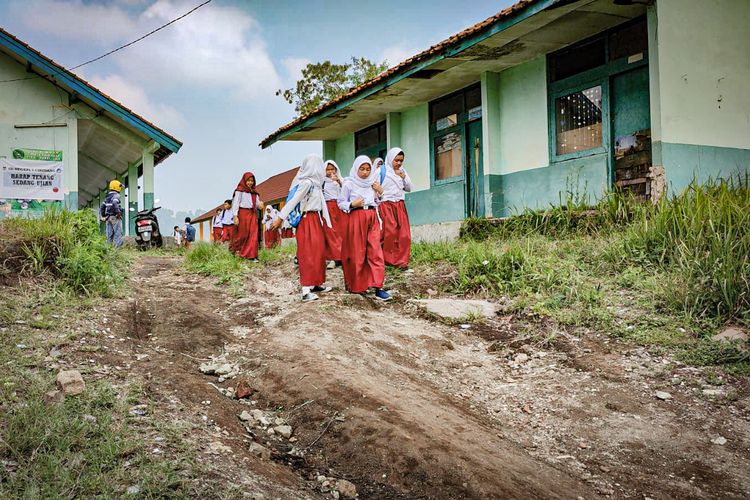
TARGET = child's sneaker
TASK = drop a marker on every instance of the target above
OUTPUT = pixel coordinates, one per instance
(331, 264)
(381, 294)
(309, 297)
(321, 289)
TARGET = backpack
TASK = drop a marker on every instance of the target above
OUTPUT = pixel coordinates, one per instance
(295, 216)
(190, 232)
(107, 207)
(382, 174)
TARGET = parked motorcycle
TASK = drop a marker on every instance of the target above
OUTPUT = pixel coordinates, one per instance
(147, 232)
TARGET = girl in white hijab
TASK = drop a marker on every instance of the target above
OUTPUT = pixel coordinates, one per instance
(362, 255)
(331, 190)
(310, 235)
(396, 228)
(271, 236)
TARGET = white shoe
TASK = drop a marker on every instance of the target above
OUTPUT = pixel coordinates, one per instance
(309, 297)
(331, 264)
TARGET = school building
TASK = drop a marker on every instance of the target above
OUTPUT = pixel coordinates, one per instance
(51, 118)
(554, 96)
(272, 191)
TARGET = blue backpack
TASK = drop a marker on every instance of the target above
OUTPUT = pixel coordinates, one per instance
(190, 232)
(295, 216)
(382, 174)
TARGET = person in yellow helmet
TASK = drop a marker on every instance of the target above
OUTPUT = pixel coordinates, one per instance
(110, 212)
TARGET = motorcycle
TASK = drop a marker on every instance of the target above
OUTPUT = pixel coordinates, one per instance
(147, 232)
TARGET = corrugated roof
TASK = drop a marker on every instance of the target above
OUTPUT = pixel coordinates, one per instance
(62, 71)
(436, 49)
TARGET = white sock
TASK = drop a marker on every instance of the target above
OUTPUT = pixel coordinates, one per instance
(306, 290)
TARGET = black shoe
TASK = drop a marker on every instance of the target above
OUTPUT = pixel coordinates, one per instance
(321, 289)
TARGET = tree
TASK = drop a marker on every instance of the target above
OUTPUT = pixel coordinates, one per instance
(324, 81)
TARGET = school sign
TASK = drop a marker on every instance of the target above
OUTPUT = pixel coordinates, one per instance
(31, 179)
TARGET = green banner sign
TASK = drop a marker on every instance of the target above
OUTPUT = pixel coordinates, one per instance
(37, 154)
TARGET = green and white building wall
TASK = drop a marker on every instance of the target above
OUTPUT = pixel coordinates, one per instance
(550, 98)
(48, 112)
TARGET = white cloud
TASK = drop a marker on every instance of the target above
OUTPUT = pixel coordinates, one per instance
(216, 47)
(135, 98)
(294, 67)
(396, 54)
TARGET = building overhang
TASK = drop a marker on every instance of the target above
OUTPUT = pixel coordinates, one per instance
(524, 31)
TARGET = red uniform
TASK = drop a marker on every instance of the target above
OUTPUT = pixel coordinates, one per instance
(311, 250)
(396, 233)
(217, 232)
(333, 234)
(245, 242)
(273, 238)
(362, 260)
(227, 233)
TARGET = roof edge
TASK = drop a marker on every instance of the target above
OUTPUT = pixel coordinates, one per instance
(452, 45)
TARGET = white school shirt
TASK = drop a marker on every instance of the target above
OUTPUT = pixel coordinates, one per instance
(306, 197)
(351, 192)
(242, 199)
(331, 189)
(216, 221)
(394, 189)
(227, 219)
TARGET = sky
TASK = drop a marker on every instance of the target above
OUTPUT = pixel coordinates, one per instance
(210, 79)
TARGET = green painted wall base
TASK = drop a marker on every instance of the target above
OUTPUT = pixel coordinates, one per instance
(442, 203)
(685, 162)
(148, 200)
(71, 200)
(132, 211)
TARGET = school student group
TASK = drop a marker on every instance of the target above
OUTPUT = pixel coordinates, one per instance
(358, 222)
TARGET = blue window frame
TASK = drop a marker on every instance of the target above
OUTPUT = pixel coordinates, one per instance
(371, 141)
(579, 89)
(449, 116)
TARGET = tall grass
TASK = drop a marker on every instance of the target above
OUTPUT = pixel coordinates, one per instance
(70, 246)
(209, 259)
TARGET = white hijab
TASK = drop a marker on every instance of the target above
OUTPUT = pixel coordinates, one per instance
(314, 170)
(335, 165)
(356, 179)
(389, 171)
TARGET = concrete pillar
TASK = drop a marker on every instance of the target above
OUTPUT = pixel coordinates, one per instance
(393, 130)
(490, 85)
(329, 150)
(132, 196)
(70, 162)
(148, 175)
(200, 231)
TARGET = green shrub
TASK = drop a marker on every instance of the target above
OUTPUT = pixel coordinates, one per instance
(209, 259)
(70, 246)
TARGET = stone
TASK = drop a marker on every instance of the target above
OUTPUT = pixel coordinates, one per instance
(90, 419)
(246, 417)
(54, 397)
(720, 440)
(217, 448)
(260, 451)
(731, 334)
(133, 490)
(243, 389)
(713, 392)
(70, 382)
(458, 308)
(521, 358)
(346, 488)
(284, 431)
(260, 417)
(662, 395)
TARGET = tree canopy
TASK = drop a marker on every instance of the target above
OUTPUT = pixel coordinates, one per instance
(323, 81)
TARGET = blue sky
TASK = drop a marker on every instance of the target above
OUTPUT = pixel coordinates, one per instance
(210, 79)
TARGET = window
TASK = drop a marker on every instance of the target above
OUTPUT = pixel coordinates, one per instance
(371, 141)
(578, 120)
(579, 86)
(448, 119)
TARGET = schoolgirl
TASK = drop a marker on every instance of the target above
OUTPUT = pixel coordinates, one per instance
(310, 235)
(331, 191)
(396, 228)
(272, 237)
(217, 226)
(245, 206)
(362, 255)
(227, 222)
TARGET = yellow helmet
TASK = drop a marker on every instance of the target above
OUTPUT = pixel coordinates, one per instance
(115, 185)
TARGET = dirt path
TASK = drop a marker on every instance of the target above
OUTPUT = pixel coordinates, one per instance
(405, 407)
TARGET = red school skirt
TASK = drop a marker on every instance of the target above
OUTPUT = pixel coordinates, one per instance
(272, 237)
(362, 254)
(311, 243)
(227, 233)
(396, 233)
(245, 241)
(217, 232)
(333, 233)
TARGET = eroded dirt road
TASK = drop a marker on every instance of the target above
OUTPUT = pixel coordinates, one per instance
(406, 407)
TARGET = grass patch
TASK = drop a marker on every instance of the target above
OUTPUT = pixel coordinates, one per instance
(70, 247)
(666, 276)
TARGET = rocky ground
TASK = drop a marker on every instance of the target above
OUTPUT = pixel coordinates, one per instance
(346, 397)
